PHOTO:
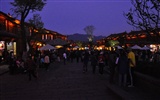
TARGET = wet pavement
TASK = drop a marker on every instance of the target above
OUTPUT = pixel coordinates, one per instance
(61, 82)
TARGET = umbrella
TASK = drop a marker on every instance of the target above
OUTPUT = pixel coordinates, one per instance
(136, 47)
(47, 47)
(145, 48)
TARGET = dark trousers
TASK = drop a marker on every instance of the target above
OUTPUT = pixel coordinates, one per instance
(85, 65)
(47, 66)
(131, 75)
(12, 69)
(112, 73)
(101, 67)
(93, 68)
(77, 59)
(32, 73)
(64, 59)
(72, 59)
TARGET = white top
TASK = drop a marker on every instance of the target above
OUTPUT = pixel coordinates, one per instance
(65, 55)
(46, 59)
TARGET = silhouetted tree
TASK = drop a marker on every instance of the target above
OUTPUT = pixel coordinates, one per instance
(89, 30)
(22, 8)
(144, 15)
(36, 24)
(36, 21)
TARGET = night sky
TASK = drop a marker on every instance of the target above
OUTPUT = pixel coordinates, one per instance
(72, 16)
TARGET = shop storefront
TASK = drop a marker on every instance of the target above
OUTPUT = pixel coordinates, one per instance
(8, 42)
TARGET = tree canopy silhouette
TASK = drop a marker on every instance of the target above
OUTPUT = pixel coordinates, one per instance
(89, 30)
(22, 8)
(36, 28)
(144, 15)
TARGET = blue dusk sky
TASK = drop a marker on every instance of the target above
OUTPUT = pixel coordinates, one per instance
(72, 16)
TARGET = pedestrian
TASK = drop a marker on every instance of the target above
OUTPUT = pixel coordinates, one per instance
(112, 65)
(101, 62)
(77, 53)
(31, 68)
(58, 58)
(85, 61)
(122, 67)
(64, 57)
(42, 61)
(72, 56)
(12, 64)
(46, 61)
(132, 64)
(18, 66)
(93, 61)
(106, 55)
(22, 67)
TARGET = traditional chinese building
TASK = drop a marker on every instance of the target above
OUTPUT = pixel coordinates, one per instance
(10, 34)
(140, 38)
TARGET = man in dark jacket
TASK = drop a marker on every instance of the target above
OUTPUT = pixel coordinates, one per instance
(123, 66)
(31, 68)
(112, 65)
(93, 62)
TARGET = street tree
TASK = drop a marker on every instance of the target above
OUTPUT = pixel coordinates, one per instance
(89, 31)
(22, 8)
(36, 21)
(144, 15)
(36, 28)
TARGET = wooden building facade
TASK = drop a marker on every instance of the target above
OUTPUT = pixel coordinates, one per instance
(10, 33)
(134, 37)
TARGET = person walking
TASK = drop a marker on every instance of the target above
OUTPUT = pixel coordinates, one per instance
(122, 67)
(31, 68)
(101, 62)
(132, 64)
(77, 53)
(64, 57)
(93, 62)
(112, 65)
(12, 64)
(85, 61)
(46, 61)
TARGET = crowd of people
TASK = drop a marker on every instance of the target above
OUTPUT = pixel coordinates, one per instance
(117, 62)
(28, 63)
(121, 62)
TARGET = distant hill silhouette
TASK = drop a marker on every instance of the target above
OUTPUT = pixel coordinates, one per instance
(82, 37)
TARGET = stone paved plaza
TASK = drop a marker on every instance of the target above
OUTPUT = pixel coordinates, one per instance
(61, 82)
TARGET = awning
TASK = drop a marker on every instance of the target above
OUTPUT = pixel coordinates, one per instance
(47, 47)
(136, 47)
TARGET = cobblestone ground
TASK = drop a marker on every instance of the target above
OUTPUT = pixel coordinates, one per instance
(61, 82)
